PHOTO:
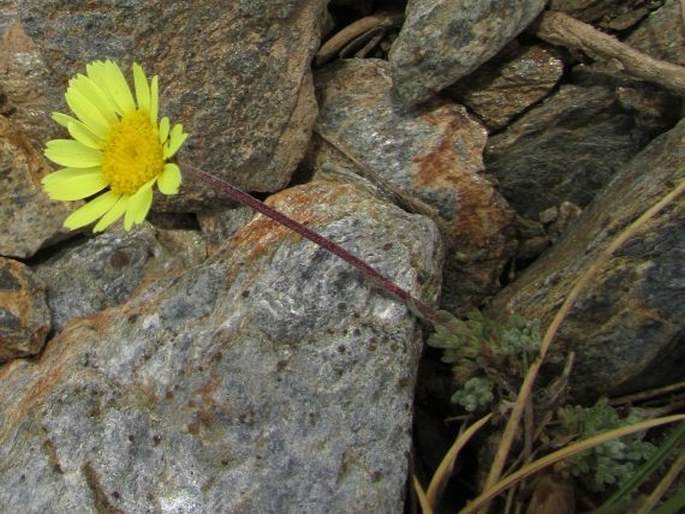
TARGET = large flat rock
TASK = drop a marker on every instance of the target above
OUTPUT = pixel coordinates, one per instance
(270, 378)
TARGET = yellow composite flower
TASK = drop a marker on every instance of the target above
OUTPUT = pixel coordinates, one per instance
(117, 148)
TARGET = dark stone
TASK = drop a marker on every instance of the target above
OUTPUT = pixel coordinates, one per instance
(607, 14)
(570, 146)
(626, 328)
(509, 84)
(661, 34)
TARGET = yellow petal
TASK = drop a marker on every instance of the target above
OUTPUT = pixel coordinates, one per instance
(96, 95)
(119, 88)
(113, 214)
(63, 119)
(68, 173)
(176, 139)
(73, 154)
(97, 72)
(84, 109)
(154, 100)
(75, 187)
(94, 209)
(80, 133)
(170, 179)
(142, 88)
(163, 129)
(139, 206)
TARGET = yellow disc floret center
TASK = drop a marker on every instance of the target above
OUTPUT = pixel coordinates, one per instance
(132, 153)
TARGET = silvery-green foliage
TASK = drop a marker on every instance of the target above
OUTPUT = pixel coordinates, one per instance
(476, 394)
(476, 344)
(611, 462)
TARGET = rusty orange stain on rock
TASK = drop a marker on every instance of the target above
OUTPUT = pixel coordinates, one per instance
(21, 296)
(481, 211)
(310, 205)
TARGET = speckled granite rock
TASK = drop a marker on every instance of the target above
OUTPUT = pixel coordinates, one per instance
(433, 153)
(626, 328)
(269, 379)
(236, 74)
(218, 225)
(85, 278)
(24, 314)
(442, 41)
(28, 219)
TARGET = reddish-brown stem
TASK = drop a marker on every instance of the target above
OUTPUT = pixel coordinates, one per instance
(367, 271)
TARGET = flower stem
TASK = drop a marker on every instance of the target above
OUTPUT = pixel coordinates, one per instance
(414, 304)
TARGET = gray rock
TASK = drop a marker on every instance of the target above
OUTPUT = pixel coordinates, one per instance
(236, 74)
(28, 219)
(626, 328)
(606, 14)
(509, 84)
(85, 278)
(661, 34)
(26, 97)
(218, 225)
(270, 379)
(569, 147)
(24, 314)
(444, 40)
(434, 154)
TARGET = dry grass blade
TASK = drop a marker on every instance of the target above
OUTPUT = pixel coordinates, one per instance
(527, 386)
(649, 394)
(444, 471)
(566, 452)
(421, 495)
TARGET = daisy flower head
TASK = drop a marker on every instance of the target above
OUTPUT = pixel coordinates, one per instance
(117, 148)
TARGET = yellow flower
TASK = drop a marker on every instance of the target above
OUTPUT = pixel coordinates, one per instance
(117, 145)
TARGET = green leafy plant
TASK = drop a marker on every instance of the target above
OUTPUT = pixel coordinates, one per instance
(672, 444)
(609, 463)
(476, 394)
(485, 353)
